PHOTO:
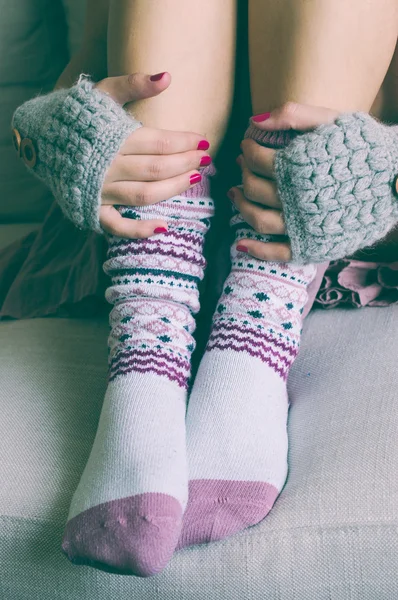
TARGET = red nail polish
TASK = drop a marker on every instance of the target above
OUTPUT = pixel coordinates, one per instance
(160, 230)
(205, 161)
(261, 118)
(231, 195)
(157, 77)
(195, 179)
(203, 145)
(241, 248)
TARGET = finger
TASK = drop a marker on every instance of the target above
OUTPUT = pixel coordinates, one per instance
(112, 222)
(138, 193)
(300, 117)
(264, 221)
(155, 168)
(259, 190)
(258, 159)
(271, 251)
(147, 140)
(137, 86)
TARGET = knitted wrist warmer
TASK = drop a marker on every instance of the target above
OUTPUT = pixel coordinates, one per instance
(336, 185)
(74, 134)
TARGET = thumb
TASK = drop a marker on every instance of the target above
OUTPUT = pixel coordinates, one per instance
(129, 88)
(300, 117)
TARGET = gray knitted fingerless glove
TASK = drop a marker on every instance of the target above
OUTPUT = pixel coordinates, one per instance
(336, 185)
(73, 134)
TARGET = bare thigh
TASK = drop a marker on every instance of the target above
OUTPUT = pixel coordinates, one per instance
(323, 52)
(195, 42)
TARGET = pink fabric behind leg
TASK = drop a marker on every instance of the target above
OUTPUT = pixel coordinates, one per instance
(314, 287)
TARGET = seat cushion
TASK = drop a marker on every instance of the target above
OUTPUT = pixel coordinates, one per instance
(333, 532)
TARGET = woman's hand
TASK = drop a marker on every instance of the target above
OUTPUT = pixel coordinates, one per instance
(257, 200)
(152, 165)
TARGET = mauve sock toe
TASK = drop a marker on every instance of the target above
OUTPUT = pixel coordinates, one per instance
(236, 422)
(130, 536)
(221, 508)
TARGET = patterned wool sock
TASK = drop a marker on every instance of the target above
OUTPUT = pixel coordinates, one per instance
(126, 513)
(237, 412)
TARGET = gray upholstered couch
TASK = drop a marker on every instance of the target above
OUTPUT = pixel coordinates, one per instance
(333, 532)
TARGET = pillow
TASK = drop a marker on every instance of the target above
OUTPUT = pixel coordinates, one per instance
(33, 47)
(75, 11)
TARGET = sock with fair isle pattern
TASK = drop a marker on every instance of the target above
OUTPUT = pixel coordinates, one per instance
(126, 513)
(237, 412)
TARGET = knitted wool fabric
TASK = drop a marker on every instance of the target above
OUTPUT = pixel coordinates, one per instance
(77, 132)
(336, 185)
(126, 513)
(237, 412)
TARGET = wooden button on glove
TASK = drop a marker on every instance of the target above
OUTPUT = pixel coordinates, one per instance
(16, 138)
(395, 186)
(28, 152)
(24, 148)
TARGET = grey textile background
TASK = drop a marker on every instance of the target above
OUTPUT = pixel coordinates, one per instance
(333, 532)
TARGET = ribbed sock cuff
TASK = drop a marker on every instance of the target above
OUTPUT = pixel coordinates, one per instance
(271, 139)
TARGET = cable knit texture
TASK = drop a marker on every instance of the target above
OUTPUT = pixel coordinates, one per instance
(77, 132)
(336, 186)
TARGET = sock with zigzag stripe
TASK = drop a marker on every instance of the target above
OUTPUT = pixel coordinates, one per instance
(237, 413)
(126, 514)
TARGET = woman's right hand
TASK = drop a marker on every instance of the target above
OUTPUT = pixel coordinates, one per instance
(151, 166)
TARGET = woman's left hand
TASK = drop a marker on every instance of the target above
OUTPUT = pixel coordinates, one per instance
(257, 200)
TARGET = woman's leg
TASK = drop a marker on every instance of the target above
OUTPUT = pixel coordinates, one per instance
(320, 52)
(195, 42)
(126, 514)
(324, 52)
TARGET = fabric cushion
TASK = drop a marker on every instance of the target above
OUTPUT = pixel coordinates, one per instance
(332, 533)
(75, 11)
(33, 41)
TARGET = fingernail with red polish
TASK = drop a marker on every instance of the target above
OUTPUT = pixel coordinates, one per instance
(241, 248)
(160, 230)
(205, 161)
(261, 118)
(157, 77)
(195, 179)
(203, 145)
(231, 195)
